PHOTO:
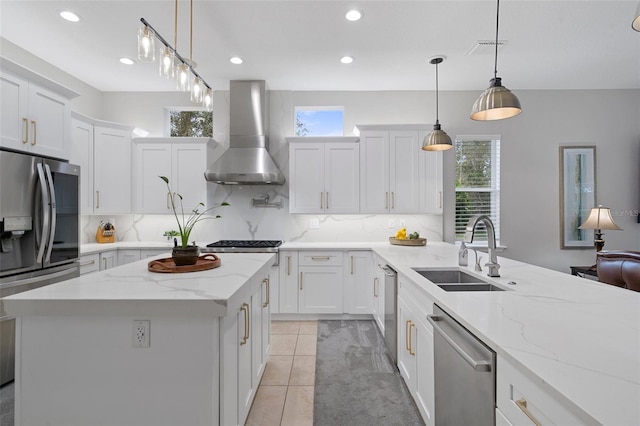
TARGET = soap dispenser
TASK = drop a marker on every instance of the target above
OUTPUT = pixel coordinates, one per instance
(463, 255)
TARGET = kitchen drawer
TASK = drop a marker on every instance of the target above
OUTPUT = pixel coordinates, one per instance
(320, 258)
(521, 400)
(89, 263)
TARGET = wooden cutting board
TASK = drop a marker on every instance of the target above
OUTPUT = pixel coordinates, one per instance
(166, 265)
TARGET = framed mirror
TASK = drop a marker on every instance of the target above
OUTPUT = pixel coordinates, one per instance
(577, 194)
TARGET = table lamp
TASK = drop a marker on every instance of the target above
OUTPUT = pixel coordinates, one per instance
(599, 219)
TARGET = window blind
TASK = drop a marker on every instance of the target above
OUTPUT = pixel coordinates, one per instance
(477, 183)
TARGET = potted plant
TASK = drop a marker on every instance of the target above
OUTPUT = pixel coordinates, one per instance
(185, 254)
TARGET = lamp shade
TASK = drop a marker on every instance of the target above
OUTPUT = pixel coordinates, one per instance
(437, 140)
(495, 103)
(636, 20)
(599, 218)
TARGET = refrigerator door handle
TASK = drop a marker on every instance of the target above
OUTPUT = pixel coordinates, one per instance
(44, 193)
(52, 222)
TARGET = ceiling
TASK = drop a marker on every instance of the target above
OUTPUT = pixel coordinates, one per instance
(297, 44)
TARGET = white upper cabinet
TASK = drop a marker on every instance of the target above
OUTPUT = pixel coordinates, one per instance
(112, 170)
(324, 176)
(82, 155)
(35, 113)
(396, 175)
(182, 160)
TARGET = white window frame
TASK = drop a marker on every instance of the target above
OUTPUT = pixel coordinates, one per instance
(298, 108)
(167, 117)
(494, 189)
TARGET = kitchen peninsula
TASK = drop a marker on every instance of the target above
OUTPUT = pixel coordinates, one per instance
(199, 357)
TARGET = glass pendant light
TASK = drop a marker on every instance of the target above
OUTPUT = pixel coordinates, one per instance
(183, 77)
(167, 61)
(437, 140)
(146, 44)
(207, 99)
(497, 102)
(196, 90)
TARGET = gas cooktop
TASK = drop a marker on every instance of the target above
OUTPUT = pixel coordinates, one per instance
(245, 244)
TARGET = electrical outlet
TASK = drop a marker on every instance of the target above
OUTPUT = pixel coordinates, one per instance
(314, 223)
(392, 223)
(403, 224)
(141, 333)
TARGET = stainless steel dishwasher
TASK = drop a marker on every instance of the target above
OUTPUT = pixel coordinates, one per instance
(465, 374)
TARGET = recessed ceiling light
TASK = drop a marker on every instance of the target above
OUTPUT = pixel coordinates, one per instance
(346, 59)
(353, 15)
(127, 61)
(69, 16)
(236, 60)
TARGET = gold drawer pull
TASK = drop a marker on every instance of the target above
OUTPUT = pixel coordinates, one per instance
(266, 282)
(375, 290)
(522, 405)
(90, 262)
(323, 258)
(406, 336)
(245, 309)
(411, 352)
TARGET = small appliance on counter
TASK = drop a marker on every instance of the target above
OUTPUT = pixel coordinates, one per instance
(106, 232)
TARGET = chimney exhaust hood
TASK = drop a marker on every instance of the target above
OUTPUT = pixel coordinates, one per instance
(247, 161)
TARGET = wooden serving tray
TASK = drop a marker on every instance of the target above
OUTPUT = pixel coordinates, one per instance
(414, 242)
(166, 265)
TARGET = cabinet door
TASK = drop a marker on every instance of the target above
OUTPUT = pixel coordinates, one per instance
(406, 338)
(320, 289)
(153, 160)
(430, 181)
(404, 155)
(49, 122)
(128, 256)
(424, 376)
(306, 178)
(266, 318)
(378, 294)
(112, 170)
(189, 161)
(108, 259)
(342, 177)
(358, 284)
(374, 172)
(82, 154)
(288, 291)
(89, 263)
(255, 339)
(14, 122)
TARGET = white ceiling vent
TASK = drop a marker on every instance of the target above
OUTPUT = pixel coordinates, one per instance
(486, 47)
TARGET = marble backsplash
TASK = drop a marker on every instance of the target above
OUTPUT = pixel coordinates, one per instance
(266, 224)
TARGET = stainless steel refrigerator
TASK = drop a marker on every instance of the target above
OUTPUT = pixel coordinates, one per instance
(39, 229)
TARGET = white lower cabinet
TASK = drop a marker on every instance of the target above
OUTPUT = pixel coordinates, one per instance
(378, 293)
(127, 256)
(358, 287)
(288, 282)
(243, 350)
(415, 347)
(108, 259)
(320, 289)
(521, 401)
(89, 263)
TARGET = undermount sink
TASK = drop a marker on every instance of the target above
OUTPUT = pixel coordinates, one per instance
(456, 280)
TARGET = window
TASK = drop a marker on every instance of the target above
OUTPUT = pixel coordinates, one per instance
(319, 121)
(189, 122)
(477, 182)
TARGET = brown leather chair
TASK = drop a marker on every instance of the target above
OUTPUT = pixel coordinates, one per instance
(620, 268)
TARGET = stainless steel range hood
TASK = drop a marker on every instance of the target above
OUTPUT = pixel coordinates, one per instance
(247, 161)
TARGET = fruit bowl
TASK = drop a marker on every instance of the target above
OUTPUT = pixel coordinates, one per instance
(408, 242)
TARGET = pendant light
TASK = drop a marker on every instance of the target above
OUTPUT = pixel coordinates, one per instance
(497, 102)
(636, 20)
(167, 55)
(437, 140)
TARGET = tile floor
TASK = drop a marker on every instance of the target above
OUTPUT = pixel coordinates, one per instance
(285, 394)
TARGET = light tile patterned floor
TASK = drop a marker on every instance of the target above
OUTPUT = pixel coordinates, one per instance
(285, 394)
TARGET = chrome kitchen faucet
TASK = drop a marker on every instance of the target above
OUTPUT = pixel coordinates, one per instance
(491, 239)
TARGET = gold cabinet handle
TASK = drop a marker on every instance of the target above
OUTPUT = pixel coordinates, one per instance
(245, 309)
(288, 265)
(386, 200)
(351, 265)
(300, 280)
(393, 200)
(104, 262)
(326, 196)
(33, 125)
(522, 405)
(266, 283)
(375, 287)
(90, 262)
(25, 134)
(97, 199)
(412, 326)
(323, 258)
(439, 199)
(406, 336)
(321, 198)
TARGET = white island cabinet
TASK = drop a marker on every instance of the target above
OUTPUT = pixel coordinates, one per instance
(128, 346)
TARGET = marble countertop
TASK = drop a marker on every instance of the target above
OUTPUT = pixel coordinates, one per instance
(576, 338)
(132, 288)
(579, 339)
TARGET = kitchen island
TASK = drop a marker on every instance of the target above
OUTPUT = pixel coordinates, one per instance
(82, 358)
